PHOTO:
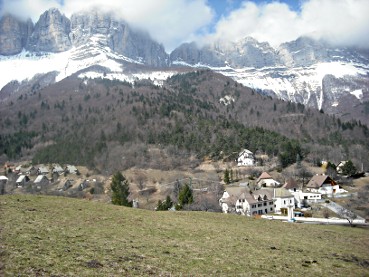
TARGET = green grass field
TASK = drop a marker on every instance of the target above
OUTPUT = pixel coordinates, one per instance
(56, 236)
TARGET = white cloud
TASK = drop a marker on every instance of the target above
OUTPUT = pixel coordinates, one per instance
(342, 22)
(28, 8)
(171, 22)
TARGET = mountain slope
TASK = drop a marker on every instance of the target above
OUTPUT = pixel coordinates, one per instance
(305, 71)
(111, 124)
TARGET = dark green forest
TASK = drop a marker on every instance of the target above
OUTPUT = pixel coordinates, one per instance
(112, 124)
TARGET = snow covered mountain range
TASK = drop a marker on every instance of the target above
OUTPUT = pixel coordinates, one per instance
(94, 44)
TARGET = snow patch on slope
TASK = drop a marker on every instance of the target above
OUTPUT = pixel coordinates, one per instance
(157, 77)
(357, 93)
(26, 65)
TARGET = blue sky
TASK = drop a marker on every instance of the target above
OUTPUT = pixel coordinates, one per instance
(172, 22)
(224, 7)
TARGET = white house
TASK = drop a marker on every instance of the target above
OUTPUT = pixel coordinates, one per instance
(256, 202)
(246, 158)
(324, 184)
(299, 196)
(229, 198)
(265, 180)
(308, 197)
(242, 201)
(282, 199)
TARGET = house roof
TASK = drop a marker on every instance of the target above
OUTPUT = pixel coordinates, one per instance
(20, 179)
(264, 175)
(282, 193)
(71, 168)
(57, 168)
(253, 197)
(235, 191)
(43, 169)
(290, 184)
(2, 177)
(318, 180)
(246, 151)
(26, 169)
(40, 178)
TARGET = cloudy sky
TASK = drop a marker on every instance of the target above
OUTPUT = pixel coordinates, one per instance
(171, 22)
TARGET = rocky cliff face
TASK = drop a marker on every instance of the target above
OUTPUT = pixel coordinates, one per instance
(14, 35)
(244, 53)
(51, 33)
(118, 36)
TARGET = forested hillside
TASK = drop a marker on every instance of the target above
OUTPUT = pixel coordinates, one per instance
(110, 125)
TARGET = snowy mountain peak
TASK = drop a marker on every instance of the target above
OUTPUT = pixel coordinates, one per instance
(97, 44)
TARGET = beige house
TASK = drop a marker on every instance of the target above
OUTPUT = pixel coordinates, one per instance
(265, 180)
(243, 201)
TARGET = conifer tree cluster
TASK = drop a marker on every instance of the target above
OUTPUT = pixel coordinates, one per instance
(120, 189)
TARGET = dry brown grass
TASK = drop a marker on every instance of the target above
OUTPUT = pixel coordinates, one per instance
(44, 236)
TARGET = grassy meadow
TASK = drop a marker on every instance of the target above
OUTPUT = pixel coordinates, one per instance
(56, 236)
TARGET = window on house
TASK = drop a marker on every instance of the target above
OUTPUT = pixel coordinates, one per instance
(284, 202)
(266, 211)
(265, 203)
(270, 203)
(271, 209)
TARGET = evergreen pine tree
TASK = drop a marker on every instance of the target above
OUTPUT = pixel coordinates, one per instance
(185, 196)
(348, 168)
(226, 177)
(120, 189)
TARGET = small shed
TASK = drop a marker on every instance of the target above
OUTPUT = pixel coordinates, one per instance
(57, 169)
(42, 170)
(22, 180)
(3, 181)
(41, 180)
(71, 169)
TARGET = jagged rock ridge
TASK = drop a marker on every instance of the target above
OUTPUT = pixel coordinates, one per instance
(55, 33)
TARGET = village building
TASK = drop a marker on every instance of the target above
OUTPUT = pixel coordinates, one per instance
(3, 181)
(324, 184)
(57, 169)
(256, 202)
(246, 158)
(283, 199)
(265, 180)
(71, 169)
(22, 180)
(301, 198)
(42, 170)
(243, 201)
(340, 166)
(229, 198)
(30, 170)
(41, 180)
